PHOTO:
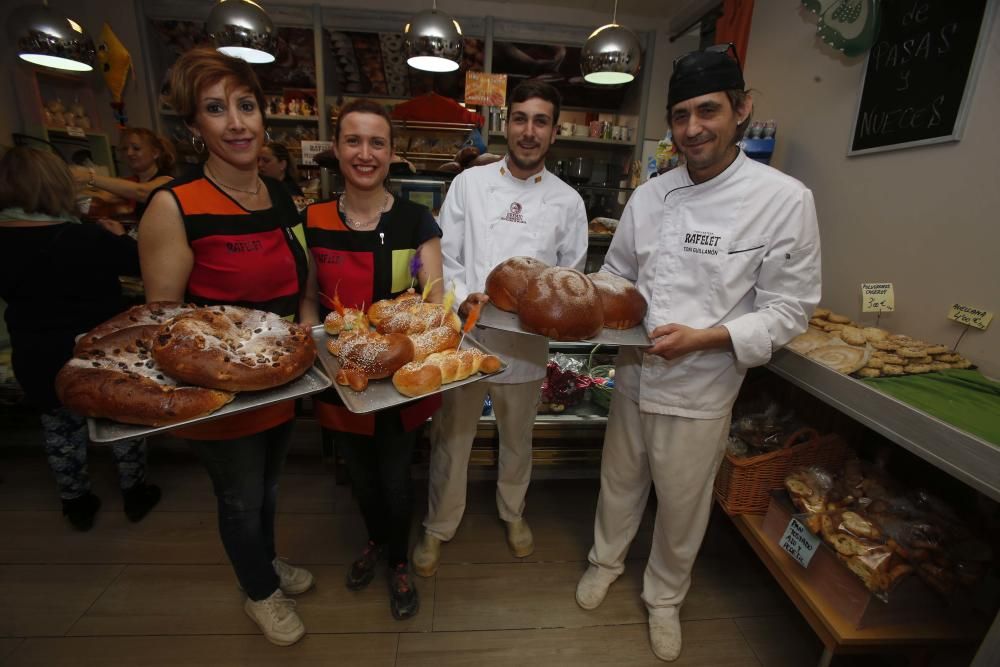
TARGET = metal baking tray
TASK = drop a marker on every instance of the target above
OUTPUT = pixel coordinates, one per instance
(313, 381)
(492, 317)
(380, 394)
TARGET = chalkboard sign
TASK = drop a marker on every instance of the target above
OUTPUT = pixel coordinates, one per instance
(920, 73)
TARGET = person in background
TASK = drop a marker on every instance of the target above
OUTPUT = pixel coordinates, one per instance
(491, 213)
(726, 252)
(276, 162)
(229, 236)
(59, 279)
(149, 157)
(363, 245)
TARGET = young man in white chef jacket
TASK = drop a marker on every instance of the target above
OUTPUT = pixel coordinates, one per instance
(726, 253)
(514, 207)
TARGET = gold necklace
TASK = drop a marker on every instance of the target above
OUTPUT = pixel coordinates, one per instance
(230, 187)
(364, 224)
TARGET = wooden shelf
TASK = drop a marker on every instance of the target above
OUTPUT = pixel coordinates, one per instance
(834, 631)
(566, 139)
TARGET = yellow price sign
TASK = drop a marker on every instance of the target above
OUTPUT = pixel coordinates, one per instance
(970, 316)
(877, 298)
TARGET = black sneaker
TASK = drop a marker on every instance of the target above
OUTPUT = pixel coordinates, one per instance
(140, 499)
(403, 599)
(363, 569)
(81, 510)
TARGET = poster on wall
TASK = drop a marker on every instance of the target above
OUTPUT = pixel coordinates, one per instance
(920, 74)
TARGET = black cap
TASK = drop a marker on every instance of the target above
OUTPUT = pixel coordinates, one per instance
(703, 72)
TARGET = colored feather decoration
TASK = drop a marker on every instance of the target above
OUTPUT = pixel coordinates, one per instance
(427, 288)
(415, 266)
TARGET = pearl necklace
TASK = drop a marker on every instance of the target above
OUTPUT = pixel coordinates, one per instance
(362, 225)
(214, 178)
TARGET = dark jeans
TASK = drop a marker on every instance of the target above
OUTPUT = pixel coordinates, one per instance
(244, 474)
(379, 468)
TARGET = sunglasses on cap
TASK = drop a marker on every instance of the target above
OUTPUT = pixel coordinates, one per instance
(716, 48)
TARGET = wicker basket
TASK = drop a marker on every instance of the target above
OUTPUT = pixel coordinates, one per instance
(743, 484)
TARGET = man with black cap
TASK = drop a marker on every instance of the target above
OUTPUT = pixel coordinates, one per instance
(726, 252)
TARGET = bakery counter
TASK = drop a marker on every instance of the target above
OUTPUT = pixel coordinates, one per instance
(962, 455)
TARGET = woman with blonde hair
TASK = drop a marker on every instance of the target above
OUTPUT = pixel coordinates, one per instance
(59, 279)
(149, 157)
(228, 235)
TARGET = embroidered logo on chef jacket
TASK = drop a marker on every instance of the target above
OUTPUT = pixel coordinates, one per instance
(514, 214)
(702, 243)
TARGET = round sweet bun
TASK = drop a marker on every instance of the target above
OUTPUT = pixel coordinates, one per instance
(509, 279)
(117, 378)
(157, 312)
(233, 349)
(561, 304)
(621, 302)
(375, 355)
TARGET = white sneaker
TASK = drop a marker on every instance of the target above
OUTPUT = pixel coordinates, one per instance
(426, 555)
(593, 587)
(665, 633)
(519, 538)
(276, 618)
(293, 580)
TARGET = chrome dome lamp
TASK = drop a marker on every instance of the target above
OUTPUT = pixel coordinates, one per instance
(43, 37)
(242, 29)
(611, 55)
(433, 41)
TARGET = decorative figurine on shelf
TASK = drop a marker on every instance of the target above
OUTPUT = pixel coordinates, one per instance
(57, 112)
(310, 103)
(294, 107)
(272, 106)
(282, 108)
(306, 108)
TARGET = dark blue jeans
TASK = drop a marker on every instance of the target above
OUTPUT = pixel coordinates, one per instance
(379, 468)
(244, 474)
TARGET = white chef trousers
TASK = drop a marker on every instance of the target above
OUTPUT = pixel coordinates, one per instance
(454, 429)
(680, 457)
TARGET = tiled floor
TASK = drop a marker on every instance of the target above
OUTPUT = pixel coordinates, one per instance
(161, 592)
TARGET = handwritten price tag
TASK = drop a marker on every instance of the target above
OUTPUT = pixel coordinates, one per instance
(973, 317)
(799, 543)
(877, 298)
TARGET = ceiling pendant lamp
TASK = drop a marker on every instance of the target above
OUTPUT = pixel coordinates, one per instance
(43, 37)
(242, 29)
(611, 55)
(433, 41)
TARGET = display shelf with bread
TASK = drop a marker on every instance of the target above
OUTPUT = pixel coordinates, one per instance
(836, 620)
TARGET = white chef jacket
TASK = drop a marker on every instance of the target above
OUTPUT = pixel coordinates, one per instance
(740, 250)
(489, 216)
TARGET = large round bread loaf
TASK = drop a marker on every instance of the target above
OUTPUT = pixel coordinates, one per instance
(117, 378)
(623, 306)
(561, 304)
(509, 279)
(233, 349)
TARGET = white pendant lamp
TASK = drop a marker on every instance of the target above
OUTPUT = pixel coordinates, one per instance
(242, 29)
(43, 37)
(433, 41)
(611, 55)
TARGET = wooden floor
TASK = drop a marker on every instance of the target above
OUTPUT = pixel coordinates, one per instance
(161, 592)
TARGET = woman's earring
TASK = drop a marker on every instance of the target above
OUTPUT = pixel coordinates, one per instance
(267, 136)
(198, 144)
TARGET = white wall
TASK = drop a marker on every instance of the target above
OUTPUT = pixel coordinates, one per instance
(924, 218)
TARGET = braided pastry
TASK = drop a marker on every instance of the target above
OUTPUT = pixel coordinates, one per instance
(368, 356)
(418, 318)
(419, 378)
(380, 310)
